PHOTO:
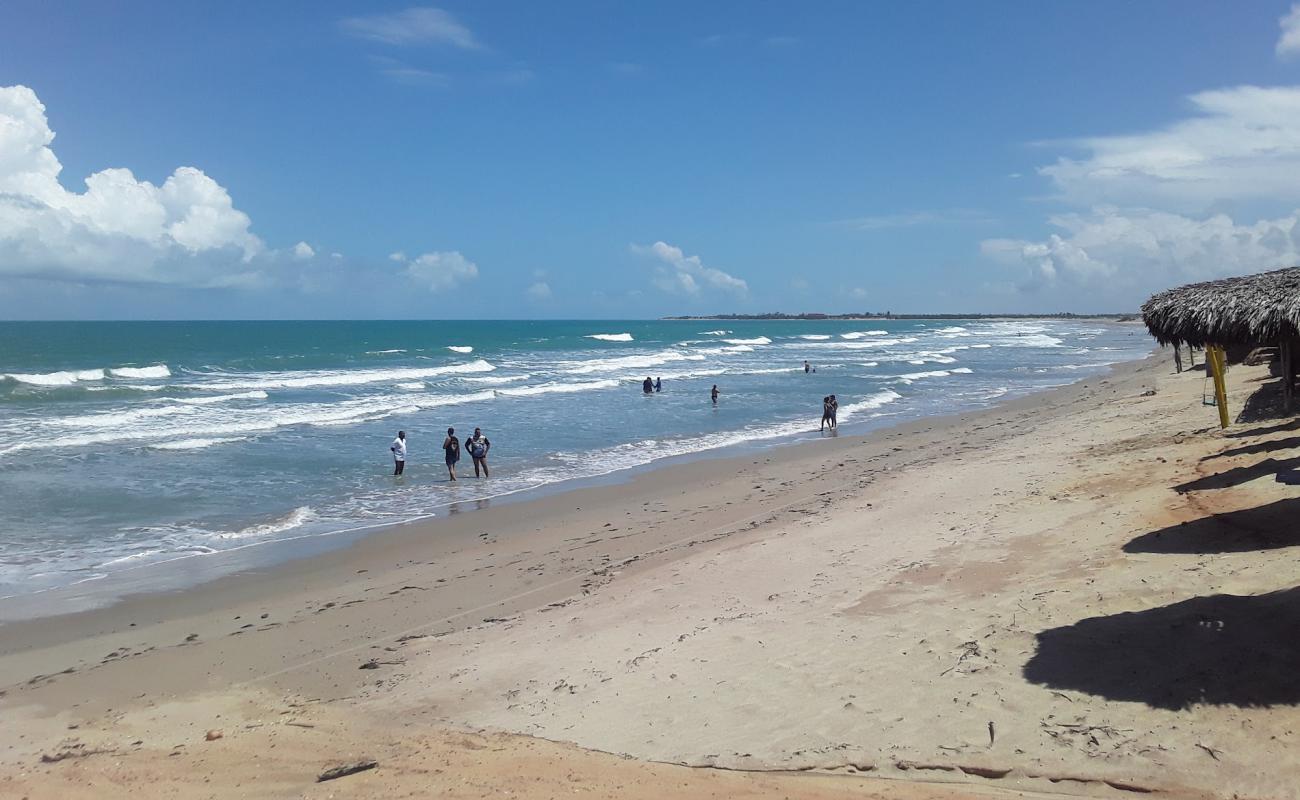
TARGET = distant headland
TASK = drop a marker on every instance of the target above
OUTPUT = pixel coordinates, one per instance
(891, 315)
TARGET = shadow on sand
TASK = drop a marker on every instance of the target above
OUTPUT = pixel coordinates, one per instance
(1282, 470)
(1289, 443)
(1268, 527)
(1219, 650)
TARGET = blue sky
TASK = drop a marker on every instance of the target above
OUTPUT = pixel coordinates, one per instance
(632, 160)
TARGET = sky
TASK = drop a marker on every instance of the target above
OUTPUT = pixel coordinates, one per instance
(630, 160)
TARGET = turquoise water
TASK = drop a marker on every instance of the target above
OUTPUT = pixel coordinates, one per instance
(128, 444)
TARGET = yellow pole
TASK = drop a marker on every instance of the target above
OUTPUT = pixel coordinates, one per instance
(1218, 366)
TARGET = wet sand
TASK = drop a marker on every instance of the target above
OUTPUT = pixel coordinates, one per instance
(1005, 601)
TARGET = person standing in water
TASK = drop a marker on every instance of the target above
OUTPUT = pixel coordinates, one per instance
(826, 412)
(478, 447)
(835, 412)
(659, 384)
(451, 449)
(806, 368)
(398, 449)
(714, 394)
(648, 386)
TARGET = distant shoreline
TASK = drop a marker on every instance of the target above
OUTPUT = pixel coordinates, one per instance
(816, 317)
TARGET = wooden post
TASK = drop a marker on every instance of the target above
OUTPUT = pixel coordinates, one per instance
(1291, 375)
(1214, 358)
(1288, 387)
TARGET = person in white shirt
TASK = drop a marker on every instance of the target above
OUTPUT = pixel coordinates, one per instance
(398, 447)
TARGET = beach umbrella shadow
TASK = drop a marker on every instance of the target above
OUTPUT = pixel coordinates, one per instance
(1218, 650)
(1267, 527)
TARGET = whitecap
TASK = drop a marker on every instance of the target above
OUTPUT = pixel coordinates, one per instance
(296, 518)
(610, 337)
(382, 352)
(714, 333)
(495, 380)
(412, 386)
(557, 388)
(458, 348)
(156, 371)
(815, 337)
(315, 379)
(196, 444)
(755, 340)
(62, 378)
(861, 334)
(222, 398)
(629, 362)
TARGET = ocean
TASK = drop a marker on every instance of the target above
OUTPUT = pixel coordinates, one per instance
(125, 445)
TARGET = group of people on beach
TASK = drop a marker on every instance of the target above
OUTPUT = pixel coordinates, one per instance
(477, 445)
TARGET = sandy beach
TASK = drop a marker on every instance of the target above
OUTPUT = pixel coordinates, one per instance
(1085, 592)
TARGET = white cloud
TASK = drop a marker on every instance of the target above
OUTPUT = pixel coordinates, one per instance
(303, 251)
(1243, 143)
(539, 291)
(858, 293)
(439, 271)
(1147, 250)
(412, 26)
(399, 257)
(1288, 44)
(679, 273)
(185, 232)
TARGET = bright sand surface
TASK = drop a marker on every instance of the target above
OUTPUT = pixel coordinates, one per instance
(1085, 592)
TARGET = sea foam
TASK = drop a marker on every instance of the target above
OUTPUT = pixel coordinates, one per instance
(324, 378)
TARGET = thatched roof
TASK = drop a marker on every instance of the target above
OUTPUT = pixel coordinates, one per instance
(1253, 309)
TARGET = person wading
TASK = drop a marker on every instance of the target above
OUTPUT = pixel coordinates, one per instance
(478, 447)
(398, 449)
(451, 447)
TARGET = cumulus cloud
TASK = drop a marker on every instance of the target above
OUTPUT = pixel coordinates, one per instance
(679, 273)
(1146, 250)
(1243, 143)
(303, 251)
(414, 26)
(184, 232)
(1288, 44)
(539, 291)
(438, 271)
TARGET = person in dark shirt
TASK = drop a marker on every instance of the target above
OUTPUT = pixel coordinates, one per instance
(451, 447)
(648, 386)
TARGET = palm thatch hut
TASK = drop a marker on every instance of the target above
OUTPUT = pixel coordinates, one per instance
(1262, 309)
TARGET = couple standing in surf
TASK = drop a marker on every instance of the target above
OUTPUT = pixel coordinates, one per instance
(830, 410)
(478, 446)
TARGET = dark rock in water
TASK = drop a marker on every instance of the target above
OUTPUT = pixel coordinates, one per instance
(343, 770)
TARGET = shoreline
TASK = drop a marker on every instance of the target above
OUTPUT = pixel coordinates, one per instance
(983, 599)
(169, 575)
(462, 534)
